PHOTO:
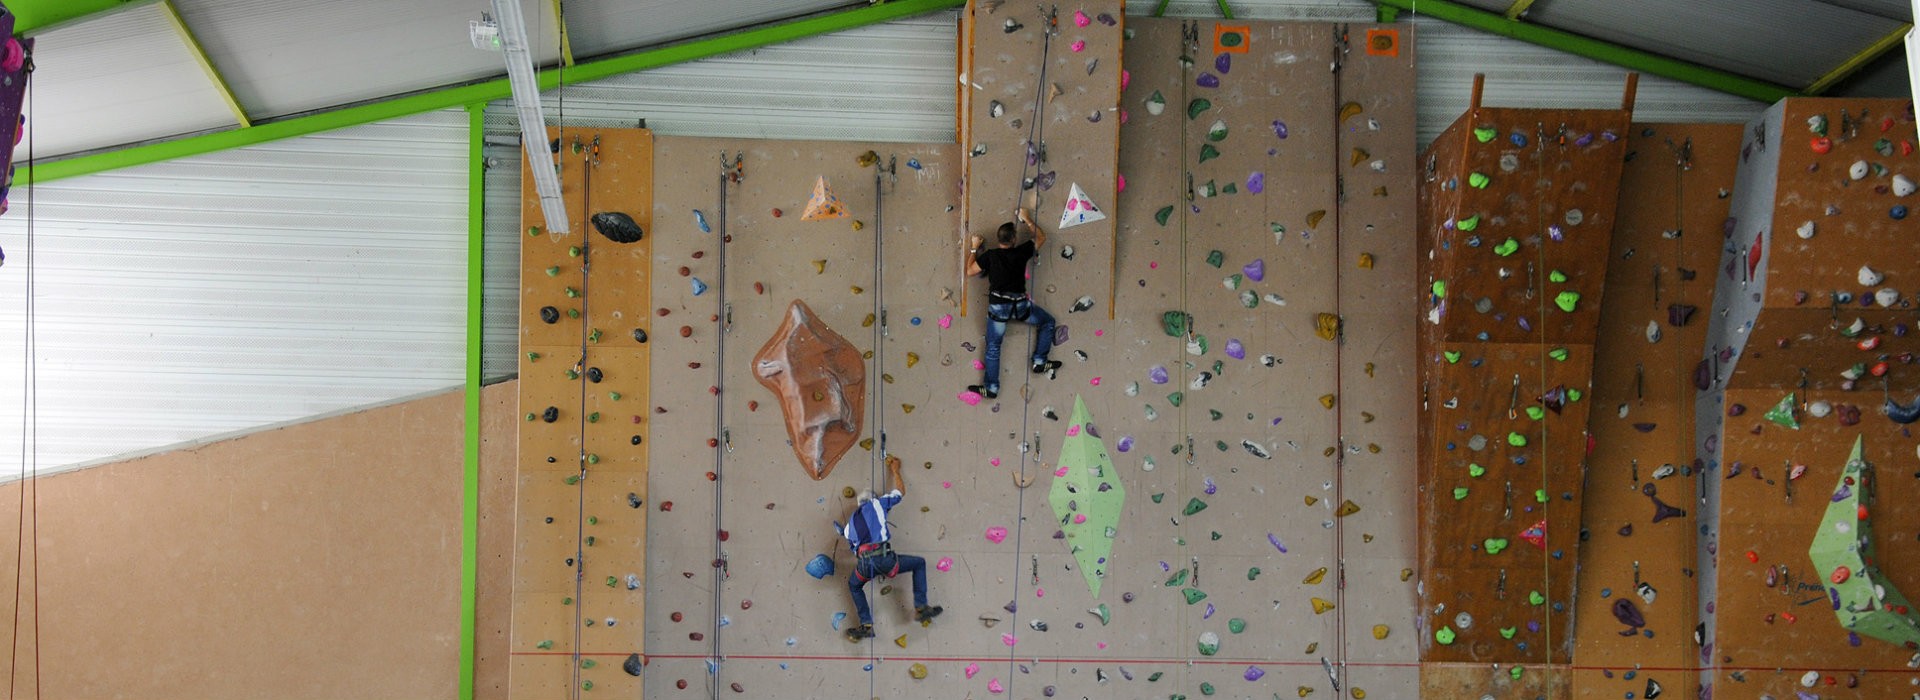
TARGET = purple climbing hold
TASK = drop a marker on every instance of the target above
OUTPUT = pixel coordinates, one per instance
(1157, 374)
(1060, 335)
(1256, 270)
(1275, 541)
(1279, 128)
(1524, 324)
(1256, 182)
(1223, 63)
(1126, 443)
(1628, 614)
(1212, 488)
(1235, 350)
(1207, 80)
(1662, 511)
(1253, 673)
(1584, 141)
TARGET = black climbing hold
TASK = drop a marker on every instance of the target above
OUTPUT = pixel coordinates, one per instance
(639, 335)
(617, 227)
(550, 415)
(594, 375)
(549, 521)
(633, 499)
(636, 439)
(569, 561)
(632, 665)
(549, 315)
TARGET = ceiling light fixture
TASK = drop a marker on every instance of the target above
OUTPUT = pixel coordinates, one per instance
(525, 84)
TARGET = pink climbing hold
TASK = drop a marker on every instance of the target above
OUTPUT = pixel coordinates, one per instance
(1062, 471)
(946, 321)
(1100, 645)
(1094, 381)
(1008, 639)
(1080, 19)
(1073, 430)
(972, 669)
(1079, 518)
(1039, 592)
(995, 461)
(1125, 77)
(970, 398)
(993, 686)
(1153, 265)
(1119, 181)
(946, 484)
(979, 366)
(996, 534)
(1078, 46)
(945, 564)
(1097, 334)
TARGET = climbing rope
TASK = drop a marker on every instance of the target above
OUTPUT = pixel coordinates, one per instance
(1534, 278)
(588, 162)
(30, 440)
(729, 173)
(1339, 670)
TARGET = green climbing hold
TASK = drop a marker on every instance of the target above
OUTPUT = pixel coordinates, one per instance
(1232, 282)
(1468, 224)
(1161, 216)
(1536, 413)
(1444, 635)
(1197, 346)
(1783, 413)
(1476, 471)
(1459, 493)
(1558, 354)
(572, 375)
(1566, 300)
(1175, 323)
(1516, 672)
(611, 581)
(1215, 535)
(1206, 688)
(1194, 505)
(1158, 497)
(573, 479)
(1198, 105)
(1156, 103)
(1208, 152)
(1155, 678)
(1574, 395)
(1507, 632)
(1236, 625)
(593, 458)
(1101, 610)
(1229, 188)
(533, 231)
(1216, 258)
(1175, 398)
(1206, 190)
(1440, 288)
(553, 271)
(1478, 181)
(547, 644)
(1214, 414)
(1506, 248)
(1253, 573)
(1453, 356)
(1220, 445)
(532, 417)
(566, 601)
(1194, 595)
(1485, 134)
(1209, 643)
(1540, 495)
(1178, 578)
(1534, 598)
(1516, 440)
(1494, 545)
(593, 417)
(1217, 132)
(1557, 277)
(588, 663)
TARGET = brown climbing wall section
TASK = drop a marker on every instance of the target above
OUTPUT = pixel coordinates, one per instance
(1674, 194)
(318, 560)
(1020, 615)
(1016, 154)
(579, 566)
(1832, 204)
(1516, 229)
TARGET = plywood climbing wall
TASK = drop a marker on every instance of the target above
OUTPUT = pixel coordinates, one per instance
(1230, 462)
(1518, 217)
(1674, 195)
(579, 565)
(1819, 228)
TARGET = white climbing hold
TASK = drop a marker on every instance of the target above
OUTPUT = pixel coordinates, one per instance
(1653, 331)
(1859, 170)
(1869, 277)
(1887, 296)
(1808, 680)
(1902, 186)
(1854, 328)
(1805, 231)
(1819, 409)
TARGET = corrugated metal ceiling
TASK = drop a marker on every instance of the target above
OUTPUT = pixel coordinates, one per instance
(1790, 42)
(122, 77)
(600, 27)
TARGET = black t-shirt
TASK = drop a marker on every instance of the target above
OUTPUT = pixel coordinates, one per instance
(1006, 268)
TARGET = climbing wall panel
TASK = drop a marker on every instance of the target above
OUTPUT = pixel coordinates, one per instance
(1516, 228)
(1674, 191)
(1377, 386)
(580, 528)
(1018, 153)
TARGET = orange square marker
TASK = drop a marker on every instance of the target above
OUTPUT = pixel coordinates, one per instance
(1231, 38)
(1383, 42)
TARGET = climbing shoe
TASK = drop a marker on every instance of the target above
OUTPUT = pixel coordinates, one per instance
(1045, 366)
(926, 614)
(983, 391)
(859, 632)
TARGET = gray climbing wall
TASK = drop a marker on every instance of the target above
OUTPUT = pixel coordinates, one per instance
(727, 556)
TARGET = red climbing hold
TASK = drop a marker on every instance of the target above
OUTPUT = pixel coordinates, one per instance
(684, 271)
(676, 617)
(666, 507)
(686, 331)
(693, 365)
(681, 684)
(746, 604)
(1753, 556)
(724, 535)
(698, 254)
(664, 311)
(696, 636)
(1821, 144)
(1840, 575)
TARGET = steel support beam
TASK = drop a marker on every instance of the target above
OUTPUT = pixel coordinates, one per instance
(1860, 60)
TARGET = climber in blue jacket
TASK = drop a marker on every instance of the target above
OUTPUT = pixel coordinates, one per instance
(867, 534)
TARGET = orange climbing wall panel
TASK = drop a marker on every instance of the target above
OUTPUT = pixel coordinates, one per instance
(1078, 136)
(579, 561)
(1674, 197)
(1516, 220)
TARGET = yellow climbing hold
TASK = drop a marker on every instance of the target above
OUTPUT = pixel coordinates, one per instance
(886, 377)
(901, 641)
(819, 267)
(1313, 219)
(858, 224)
(1316, 577)
(868, 321)
(1359, 156)
(1373, 447)
(858, 289)
(1321, 606)
(1312, 500)
(1326, 325)
(847, 492)
(1347, 508)
(1304, 691)
(1366, 261)
(1405, 575)
(906, 407)
(1358, 694)
(1326, 400)
(1313, 647)
(917, 671)
(1380, 631)
(1350, 110)
(867, 444)
(868, 159)
(913, 358)
(1366, 417)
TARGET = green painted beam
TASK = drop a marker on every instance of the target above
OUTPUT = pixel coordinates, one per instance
(487, 91)
(192, 42)
(470, 481)
(1161, 10)
(1860, 60)
(1519, 7)
(34, 16)
(1226, 12)
(1597, 50)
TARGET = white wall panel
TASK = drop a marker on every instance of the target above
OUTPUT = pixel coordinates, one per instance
(120, 78)
(600, 27)
(227, 291)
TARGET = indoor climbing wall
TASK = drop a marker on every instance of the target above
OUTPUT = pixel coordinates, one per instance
(579, 566)
(1639, 502)
(1040, 87)
(1516, 230)
(1165, 513)
(1812, 357)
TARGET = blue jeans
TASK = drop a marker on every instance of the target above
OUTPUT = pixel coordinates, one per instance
(998, 314)
(868, 568)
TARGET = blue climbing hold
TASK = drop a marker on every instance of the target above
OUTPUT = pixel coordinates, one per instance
(913, 163)
(1898, 212)
(915, 320)
(700, 219)
(820, 567)
(1519, 140)
(699, 287)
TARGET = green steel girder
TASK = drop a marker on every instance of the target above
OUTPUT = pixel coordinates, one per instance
(34, 16)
